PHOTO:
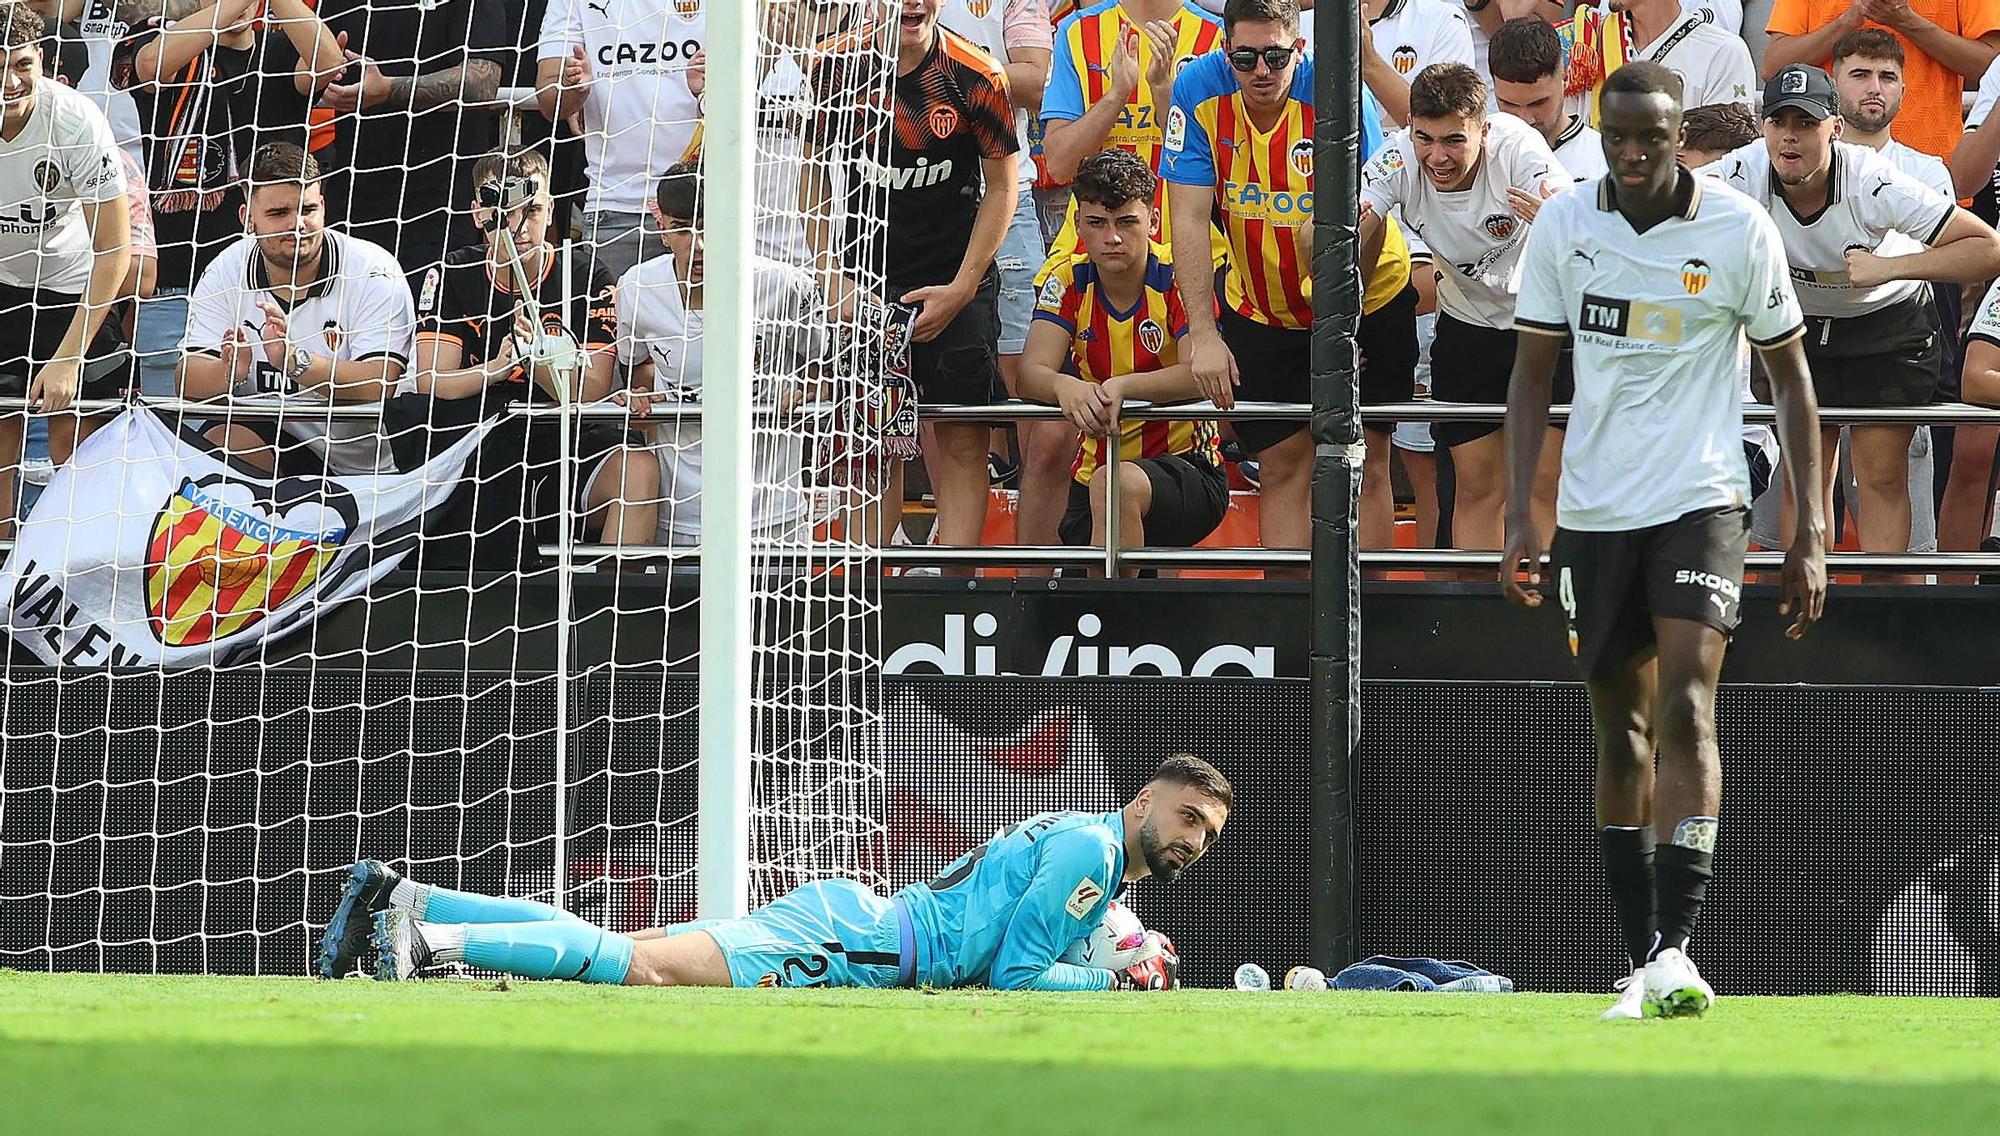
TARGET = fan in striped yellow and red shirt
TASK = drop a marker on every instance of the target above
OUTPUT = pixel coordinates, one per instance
(1106, 343)
(1080, 78)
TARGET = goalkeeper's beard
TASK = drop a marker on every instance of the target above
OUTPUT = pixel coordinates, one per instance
(1155, 852)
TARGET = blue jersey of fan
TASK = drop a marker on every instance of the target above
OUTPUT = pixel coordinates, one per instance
(998, 916)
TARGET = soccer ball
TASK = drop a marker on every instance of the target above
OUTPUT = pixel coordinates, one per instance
(1118, 941)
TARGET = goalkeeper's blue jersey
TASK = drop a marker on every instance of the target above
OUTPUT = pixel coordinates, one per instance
(1001, 913)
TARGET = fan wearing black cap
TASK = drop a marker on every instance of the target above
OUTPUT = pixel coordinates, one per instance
(1872, 332)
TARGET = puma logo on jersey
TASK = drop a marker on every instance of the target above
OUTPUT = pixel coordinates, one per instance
(603, 9)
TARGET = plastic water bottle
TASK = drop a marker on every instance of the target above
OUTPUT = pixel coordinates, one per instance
(1250, 976)
(1305, 978)
(1480, 984)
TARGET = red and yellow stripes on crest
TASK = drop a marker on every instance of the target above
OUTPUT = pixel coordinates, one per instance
(206, 581)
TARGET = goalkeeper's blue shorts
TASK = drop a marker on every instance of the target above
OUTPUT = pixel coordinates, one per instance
(826, 933)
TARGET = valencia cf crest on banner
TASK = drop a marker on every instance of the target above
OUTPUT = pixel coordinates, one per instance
(148, 549)
(221, 559)
(1694, 276)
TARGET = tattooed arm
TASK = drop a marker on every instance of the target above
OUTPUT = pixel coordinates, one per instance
(136, 12)
(475, 81)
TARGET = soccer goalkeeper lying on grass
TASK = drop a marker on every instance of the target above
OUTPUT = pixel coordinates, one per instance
(999, 916)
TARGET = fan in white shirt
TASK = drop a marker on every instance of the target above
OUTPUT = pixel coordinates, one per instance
(1402, 37)
(1712, 64)
(660, 345)
(1468, 186)
(622, 64)
(1868, 75)
(1973, 162)
(1873, 337)
(64, 237)
(1527, 68)
(301, 317)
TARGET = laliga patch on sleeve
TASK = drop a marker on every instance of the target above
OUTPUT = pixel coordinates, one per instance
(1176, 130)
(1052, 294)
(1084, 898)
(427, 300)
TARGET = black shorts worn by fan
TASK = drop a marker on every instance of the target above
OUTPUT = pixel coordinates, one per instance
(1475, 364)
(32, 326)
(1612, 585)
(1190, 496)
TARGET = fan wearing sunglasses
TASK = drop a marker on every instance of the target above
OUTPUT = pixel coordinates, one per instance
(1239, 144)
(1239, 147)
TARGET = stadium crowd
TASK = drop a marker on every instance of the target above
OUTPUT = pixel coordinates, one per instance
(310, 204)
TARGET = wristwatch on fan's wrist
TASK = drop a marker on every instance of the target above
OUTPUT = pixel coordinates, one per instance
(300, 360)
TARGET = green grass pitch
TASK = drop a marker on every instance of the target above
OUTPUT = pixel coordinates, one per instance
(91, 1054)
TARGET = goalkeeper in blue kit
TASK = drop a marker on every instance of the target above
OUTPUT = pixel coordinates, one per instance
(1000, 916)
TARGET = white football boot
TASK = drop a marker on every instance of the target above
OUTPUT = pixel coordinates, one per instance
(1631, 1004)
(1674, 988)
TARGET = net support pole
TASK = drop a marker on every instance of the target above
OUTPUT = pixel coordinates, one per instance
(1336, 483)
(727, 573)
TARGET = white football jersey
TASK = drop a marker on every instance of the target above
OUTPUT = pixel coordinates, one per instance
(64, 157)
(1988, 95)
(104, 26)
(1868, 199)
(1724, 14)
(654, 325)
(358, 309)
(1474, 235)
(1713, 65)
(1656, 426)
(1927, 168)
(1410, 35)
(1986, 325)
(1581, 150)
(639, 115)
(1413, 34)
(984, 22)
(783, 102)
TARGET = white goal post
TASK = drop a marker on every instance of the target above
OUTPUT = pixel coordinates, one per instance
(223, 683)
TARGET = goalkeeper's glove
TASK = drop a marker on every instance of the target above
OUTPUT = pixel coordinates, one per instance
(1159, 972)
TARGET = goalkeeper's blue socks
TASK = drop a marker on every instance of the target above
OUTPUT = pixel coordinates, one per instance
(443, 905)
(556, 948)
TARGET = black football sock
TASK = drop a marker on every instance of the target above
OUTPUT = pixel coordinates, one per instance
(1628, 868)
(1684, 867)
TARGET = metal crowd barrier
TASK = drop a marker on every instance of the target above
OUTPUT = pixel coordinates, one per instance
(1111, 558)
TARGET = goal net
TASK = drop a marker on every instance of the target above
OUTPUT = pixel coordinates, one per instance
(351, 566)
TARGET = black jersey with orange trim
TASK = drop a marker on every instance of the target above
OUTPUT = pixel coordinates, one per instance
(201, 124)
(467, 303)
(950, 113)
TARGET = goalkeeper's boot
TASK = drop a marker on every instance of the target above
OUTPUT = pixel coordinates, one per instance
(1631, 1004)
(1674, 988)
(400, 952)
(369, 883)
